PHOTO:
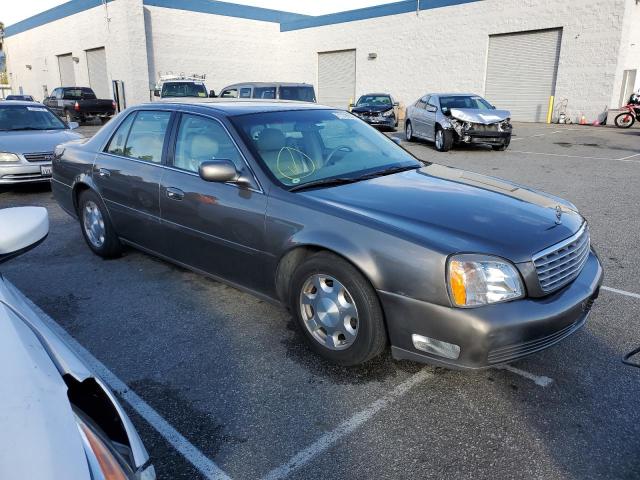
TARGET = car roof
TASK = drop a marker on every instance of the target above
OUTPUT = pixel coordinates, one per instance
(24, 103)
(268, 84)
(239, 106)
(376, 94)
(439, 94)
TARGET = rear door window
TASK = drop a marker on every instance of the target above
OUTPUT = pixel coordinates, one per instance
(229, 93)
(265, 92)
(144, 139)
(245, 92)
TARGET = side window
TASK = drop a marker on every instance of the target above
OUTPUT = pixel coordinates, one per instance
(433, 102)
(230, 93)
(57, 93)
(146, 136)
(201, 139)
(117, 143)
(245, 92)
(265, 92)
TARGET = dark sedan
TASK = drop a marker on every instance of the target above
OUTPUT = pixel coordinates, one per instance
(377, 109)
(314, 209)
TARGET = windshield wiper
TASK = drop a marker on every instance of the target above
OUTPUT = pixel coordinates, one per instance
(388, 171)
(26, 128)
(325, 182)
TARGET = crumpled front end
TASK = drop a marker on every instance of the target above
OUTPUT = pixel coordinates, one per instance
(490, 127)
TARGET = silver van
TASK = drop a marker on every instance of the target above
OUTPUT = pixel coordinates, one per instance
(302, 92)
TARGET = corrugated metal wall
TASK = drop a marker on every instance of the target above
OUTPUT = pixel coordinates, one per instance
(337, 78)
(97, 66)
(67, 74)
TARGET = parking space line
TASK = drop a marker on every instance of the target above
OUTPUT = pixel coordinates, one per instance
(624, 159)
(621, 292)
(539, 380)
(561, 155)
(330, 438)
(201, 462)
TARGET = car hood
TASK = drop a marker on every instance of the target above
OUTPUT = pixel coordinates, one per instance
(474, 115)
(31, 141)
(372, 109)
(451, 210)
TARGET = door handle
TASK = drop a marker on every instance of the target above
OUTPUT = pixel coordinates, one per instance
(103, 172)
(175, 193)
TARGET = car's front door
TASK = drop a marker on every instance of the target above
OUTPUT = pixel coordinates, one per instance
(52, 101)
(127, 174)
(214, 227)
(419, 117)
(430, 112)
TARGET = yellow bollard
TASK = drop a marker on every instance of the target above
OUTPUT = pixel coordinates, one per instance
(550, 111)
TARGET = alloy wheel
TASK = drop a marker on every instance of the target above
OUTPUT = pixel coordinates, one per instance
(408, 132)
(329, 312)
(439, 139)
(93, 224)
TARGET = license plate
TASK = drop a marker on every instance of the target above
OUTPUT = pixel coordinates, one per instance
(45, 170)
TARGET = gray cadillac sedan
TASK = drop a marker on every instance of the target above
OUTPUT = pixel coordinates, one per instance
(29, 132)
(314, 209)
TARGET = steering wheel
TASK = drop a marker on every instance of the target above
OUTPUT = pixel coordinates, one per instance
(340, 148)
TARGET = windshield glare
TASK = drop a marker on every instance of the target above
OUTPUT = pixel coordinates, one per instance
(374, 101)
(299, 147)
(460, 101)
(183, 89)
(22, 117)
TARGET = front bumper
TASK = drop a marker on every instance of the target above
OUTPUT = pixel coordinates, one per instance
(24, 173)
(379, 121)
(492, 334)
(489, 137)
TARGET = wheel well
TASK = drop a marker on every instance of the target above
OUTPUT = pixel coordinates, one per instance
(77, 190)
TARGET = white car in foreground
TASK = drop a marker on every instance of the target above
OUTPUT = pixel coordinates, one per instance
(57, 419)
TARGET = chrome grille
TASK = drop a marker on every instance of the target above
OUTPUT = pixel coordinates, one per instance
(560, 264)
(39, 157)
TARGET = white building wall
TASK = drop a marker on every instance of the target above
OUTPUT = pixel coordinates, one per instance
(122, 36)
(445, 49)
(629, 57)
(226, 49)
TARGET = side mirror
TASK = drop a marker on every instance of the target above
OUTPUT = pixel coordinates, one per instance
(218, 171)
(73, 125)
(156, 93)
(431, 108)
(396, 140)
(493, 107)
(351, 105)
(396, 104)
(212, 94)
(21, 229)
(446, 111)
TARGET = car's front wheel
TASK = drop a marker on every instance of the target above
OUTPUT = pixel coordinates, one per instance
(443, 139)
(96, 226)
(337, 309)
(408, 131)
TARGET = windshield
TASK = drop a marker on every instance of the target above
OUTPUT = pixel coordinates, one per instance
(459, 101)
(302, 94)
(374, 101)
(183, 89)
(27, 98)
(304, 146)
(23, 117)
(79, 94)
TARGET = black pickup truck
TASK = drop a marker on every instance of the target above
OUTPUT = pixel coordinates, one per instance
(79, 104)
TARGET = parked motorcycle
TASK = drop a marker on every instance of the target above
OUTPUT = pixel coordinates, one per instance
(629, 116)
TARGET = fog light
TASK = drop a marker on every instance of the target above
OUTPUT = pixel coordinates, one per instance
(437, 347)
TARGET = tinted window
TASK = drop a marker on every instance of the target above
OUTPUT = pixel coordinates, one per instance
(183, 89)
(79, 94)
(245, 92)
(265, 92)
(302, 94)
(117, 144)
(230, 93)
(146, 136)
(22, 117)
(201, 139)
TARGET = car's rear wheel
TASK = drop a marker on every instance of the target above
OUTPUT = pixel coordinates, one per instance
(408, 131)
(443, 139)
(337, 310)
(96, 226)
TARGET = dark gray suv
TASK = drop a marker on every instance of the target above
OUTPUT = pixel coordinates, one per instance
(312, 208)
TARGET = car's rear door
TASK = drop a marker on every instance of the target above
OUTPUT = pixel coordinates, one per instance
(214, 227)
(419, 127)
(127, 173)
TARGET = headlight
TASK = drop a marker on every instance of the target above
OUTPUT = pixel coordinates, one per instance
(476, 280)
(388, 113)
(99, 456)
(8, 157)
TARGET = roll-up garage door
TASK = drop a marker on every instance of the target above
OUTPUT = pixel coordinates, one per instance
(337, 78)
(97, 66)
(67, 75)
(521, 72)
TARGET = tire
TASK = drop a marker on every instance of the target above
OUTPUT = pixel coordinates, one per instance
(503, 147)
(443, 139)
(346, 325)
(619, 120)
(408, 131)
(102, 239)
